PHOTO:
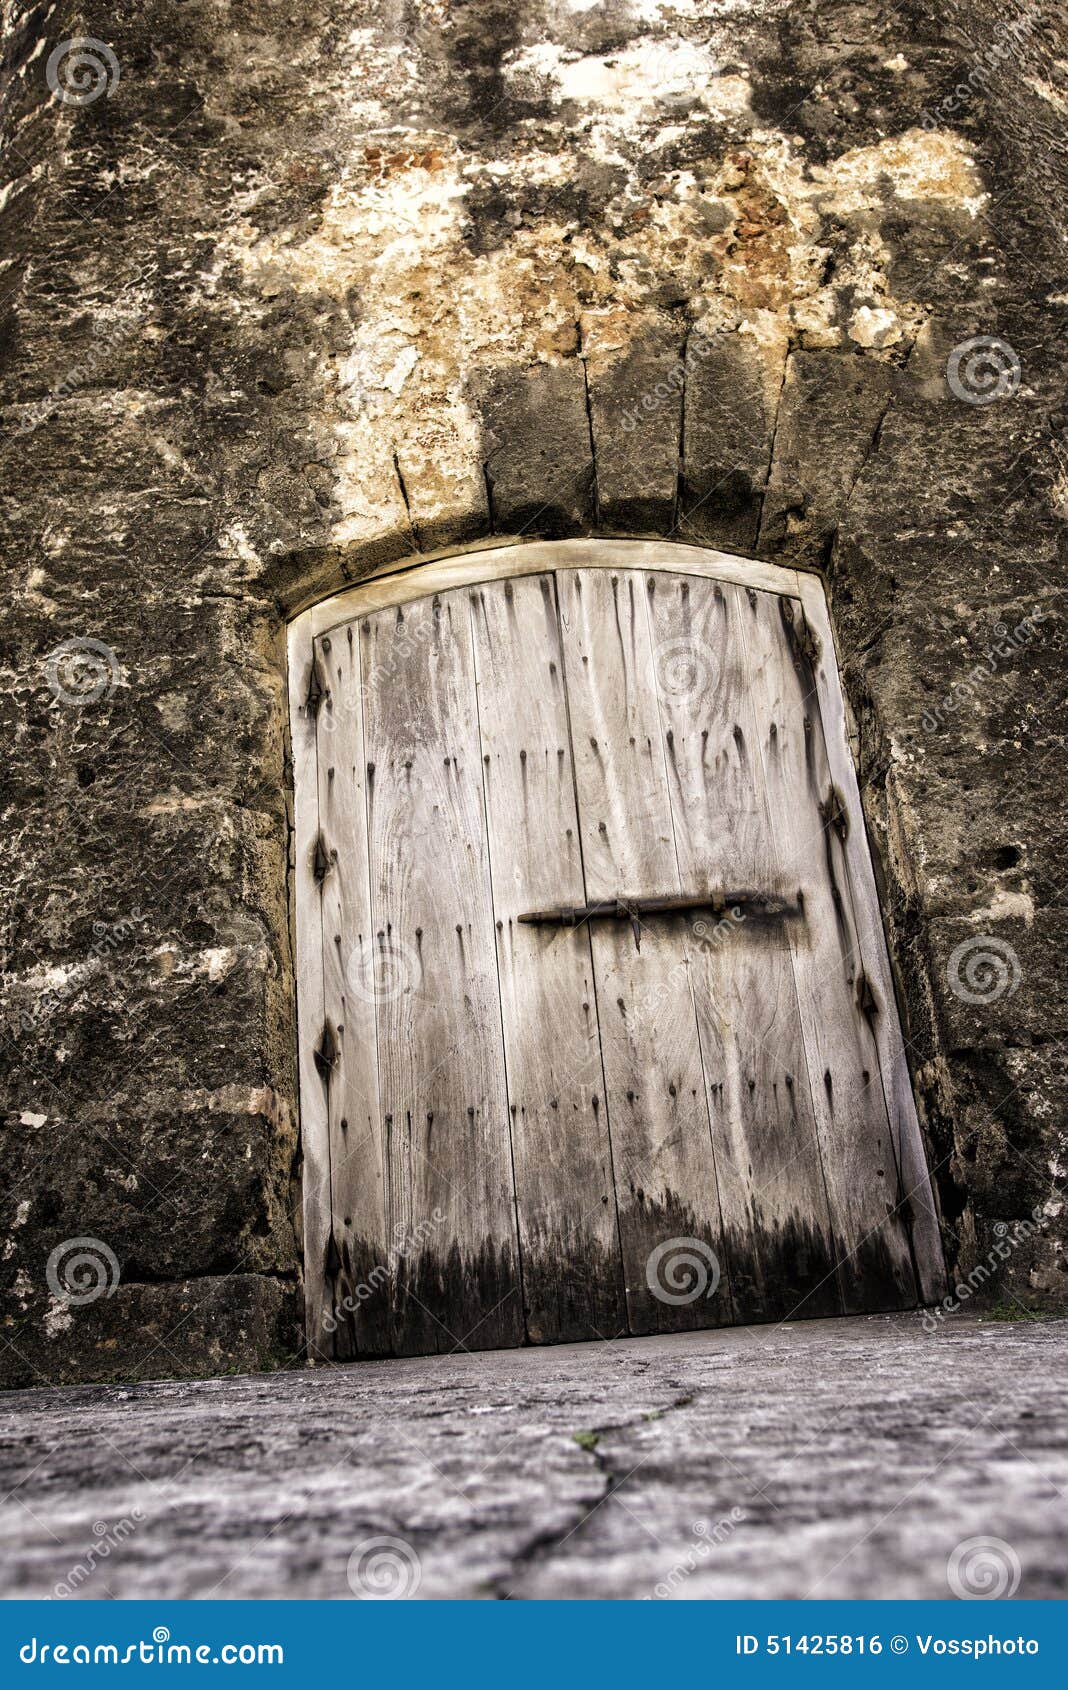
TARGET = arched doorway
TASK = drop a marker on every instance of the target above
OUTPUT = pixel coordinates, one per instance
(596, 1019)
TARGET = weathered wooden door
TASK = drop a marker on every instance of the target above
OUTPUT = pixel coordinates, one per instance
(598, 1031)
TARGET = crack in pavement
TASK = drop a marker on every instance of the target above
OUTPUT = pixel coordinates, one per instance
(544, 1542)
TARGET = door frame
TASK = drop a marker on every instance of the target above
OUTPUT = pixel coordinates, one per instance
(400, 583)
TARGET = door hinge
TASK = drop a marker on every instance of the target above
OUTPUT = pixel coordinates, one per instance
(326, 1053)
(321, 860)
(316, 691)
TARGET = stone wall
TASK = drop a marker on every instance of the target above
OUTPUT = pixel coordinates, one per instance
(292, 290)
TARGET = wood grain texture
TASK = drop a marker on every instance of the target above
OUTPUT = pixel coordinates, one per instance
(772, 1194)
(666, 1184)
(545, 1111)
(362, 1286)
(400, 585)
(572, 1268)
(920, 1205)
(441, 1058)
(875, 1260)
(316, 1206)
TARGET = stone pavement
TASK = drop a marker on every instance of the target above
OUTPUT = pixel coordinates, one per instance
(848, 1458)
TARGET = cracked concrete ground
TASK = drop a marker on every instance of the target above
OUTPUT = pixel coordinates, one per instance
(824, 1459)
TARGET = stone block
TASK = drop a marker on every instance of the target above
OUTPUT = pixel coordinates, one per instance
(539, 462)
(727, 436)
(636, 415)
(178, 1187)
(240, 1323)
(831, 407)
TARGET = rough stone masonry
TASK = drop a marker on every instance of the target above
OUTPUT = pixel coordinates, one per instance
(288, 291)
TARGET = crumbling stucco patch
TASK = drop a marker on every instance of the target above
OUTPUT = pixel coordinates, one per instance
(744, 238)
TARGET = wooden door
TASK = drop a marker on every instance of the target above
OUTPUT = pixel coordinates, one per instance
(597, 1029)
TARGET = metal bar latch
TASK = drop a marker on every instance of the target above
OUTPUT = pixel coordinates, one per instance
(759, 905)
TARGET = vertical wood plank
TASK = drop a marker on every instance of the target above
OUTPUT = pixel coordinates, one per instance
(664, 1165)
(876, 1268)
(771, 1183)
(314, 1121)
(443, 1092)
(572, 1269)
(362, 1280)
(916, 1181)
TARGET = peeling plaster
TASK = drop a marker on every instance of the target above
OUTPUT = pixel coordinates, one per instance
(393, 229)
